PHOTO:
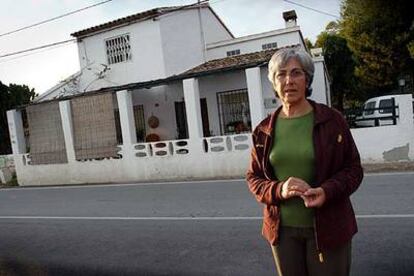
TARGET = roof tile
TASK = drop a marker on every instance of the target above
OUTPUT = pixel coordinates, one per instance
(239, 61)
(145, 15)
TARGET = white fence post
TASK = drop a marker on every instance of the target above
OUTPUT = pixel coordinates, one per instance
(18, 143)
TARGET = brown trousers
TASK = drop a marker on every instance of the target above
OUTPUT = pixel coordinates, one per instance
(296, 255)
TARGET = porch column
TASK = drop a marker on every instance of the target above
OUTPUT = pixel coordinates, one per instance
(67, 126)
(255, 91)
(192, 108)
(126, 116)
(18, 143)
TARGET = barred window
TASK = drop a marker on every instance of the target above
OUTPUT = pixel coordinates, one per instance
(234, 112)
(268, 46)
(233, 53)
(118, 49)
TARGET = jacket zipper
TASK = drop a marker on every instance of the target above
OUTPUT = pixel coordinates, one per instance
(318, 251)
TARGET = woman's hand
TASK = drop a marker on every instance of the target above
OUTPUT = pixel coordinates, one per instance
(294, 187)
(314, 197)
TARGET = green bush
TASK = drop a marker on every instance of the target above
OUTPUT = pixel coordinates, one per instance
(12, 182)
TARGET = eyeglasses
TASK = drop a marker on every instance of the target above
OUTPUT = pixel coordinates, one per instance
(294, 74)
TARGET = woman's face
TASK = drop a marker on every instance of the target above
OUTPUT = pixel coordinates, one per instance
(290, 82)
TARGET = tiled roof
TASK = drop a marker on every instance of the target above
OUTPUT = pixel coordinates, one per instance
(233, 62)
(149, 14)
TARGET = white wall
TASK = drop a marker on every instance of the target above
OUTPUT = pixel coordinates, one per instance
(373, 142)
(320, 84)
(181, 41)
(253, 43)
(147, 61)
(195, 165)
(160, 48)
(213, 29)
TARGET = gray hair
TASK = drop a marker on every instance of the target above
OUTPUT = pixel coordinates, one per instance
(281, 58)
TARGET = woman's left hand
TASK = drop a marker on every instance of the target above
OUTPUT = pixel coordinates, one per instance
(314, 197)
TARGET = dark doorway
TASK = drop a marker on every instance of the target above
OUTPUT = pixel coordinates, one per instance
(204, 117)
(181, 119)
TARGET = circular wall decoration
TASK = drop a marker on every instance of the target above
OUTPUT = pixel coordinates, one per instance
(153, 122)
(152, 137)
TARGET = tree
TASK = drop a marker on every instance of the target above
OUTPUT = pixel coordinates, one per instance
(308, 44)
(380, 34)
(11, 97)
(20, 95)
(411, 49)
(340, 65)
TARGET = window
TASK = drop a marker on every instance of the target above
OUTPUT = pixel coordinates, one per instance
(386, 106)
(268, 46)
(369, 108)
(233, 53)
(118, 49)
(234, 111)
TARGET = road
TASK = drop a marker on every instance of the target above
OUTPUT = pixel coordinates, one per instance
(193, 228)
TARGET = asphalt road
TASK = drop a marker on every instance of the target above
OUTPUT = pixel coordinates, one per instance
(194, 228)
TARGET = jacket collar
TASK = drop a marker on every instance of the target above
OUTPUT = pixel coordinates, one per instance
(321, 115)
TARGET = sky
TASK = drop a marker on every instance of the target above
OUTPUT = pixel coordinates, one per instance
(42, 69)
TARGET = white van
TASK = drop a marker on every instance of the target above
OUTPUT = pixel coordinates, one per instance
(378, 111)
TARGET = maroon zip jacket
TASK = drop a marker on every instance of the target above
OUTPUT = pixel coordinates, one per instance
(337, 170)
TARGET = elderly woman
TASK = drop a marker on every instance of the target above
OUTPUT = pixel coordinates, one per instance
(304, 167)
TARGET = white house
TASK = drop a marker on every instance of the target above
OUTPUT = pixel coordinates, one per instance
(167, 93)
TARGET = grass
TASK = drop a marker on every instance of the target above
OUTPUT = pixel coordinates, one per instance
(12, 182)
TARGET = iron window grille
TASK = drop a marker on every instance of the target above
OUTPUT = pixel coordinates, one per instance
(234, 112)
(118, 49)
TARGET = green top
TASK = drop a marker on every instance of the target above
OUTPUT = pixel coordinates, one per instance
(292, 154)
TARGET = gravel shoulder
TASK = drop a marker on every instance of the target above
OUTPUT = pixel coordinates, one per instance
(406, 166)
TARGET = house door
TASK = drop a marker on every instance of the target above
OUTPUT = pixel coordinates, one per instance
(181, 119)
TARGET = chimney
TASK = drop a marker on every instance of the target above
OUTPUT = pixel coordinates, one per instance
(290, 18)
